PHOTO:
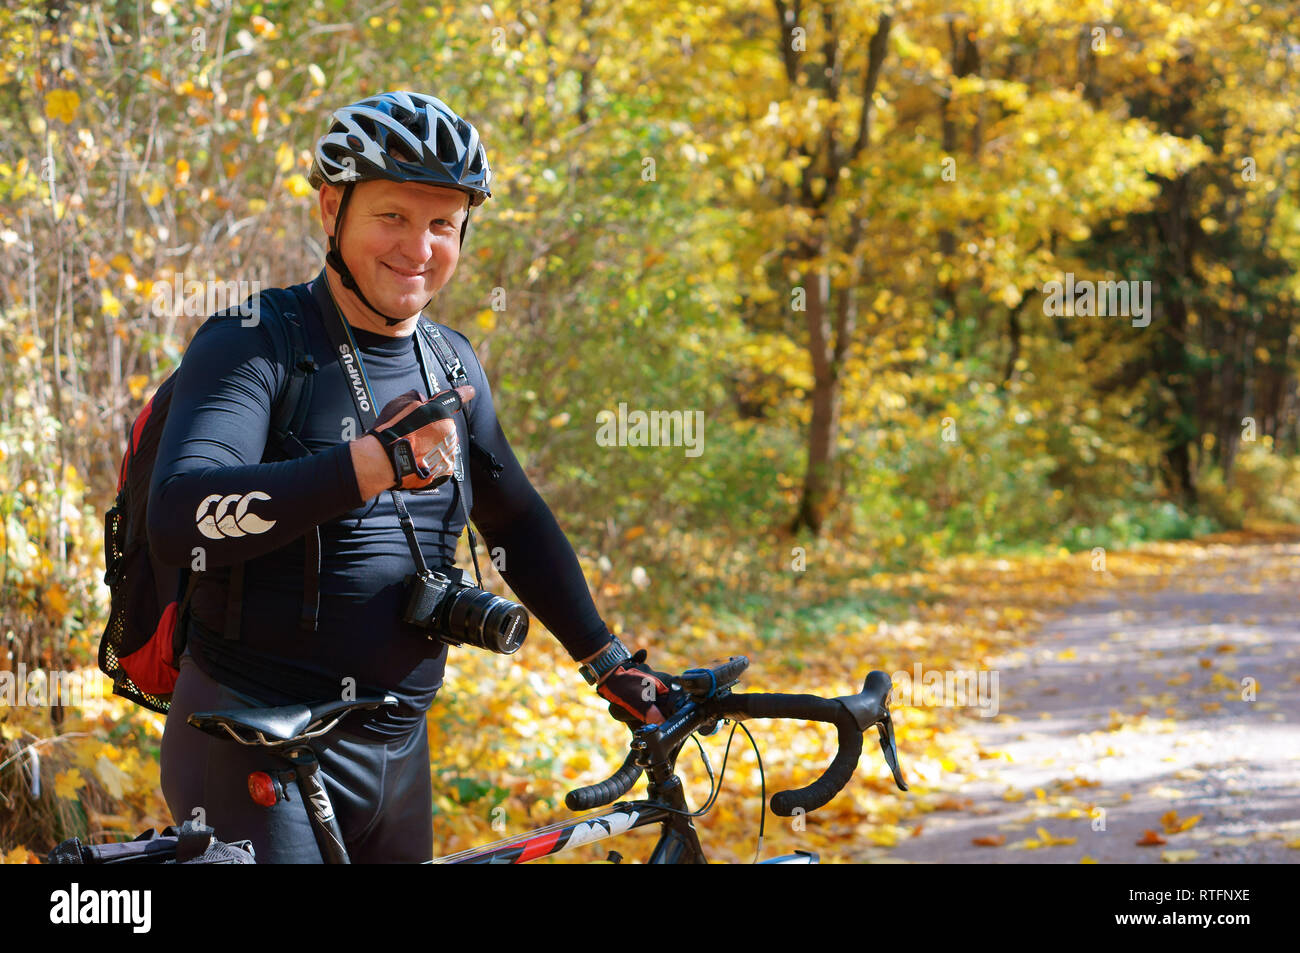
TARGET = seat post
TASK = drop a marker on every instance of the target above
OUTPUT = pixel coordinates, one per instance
(329, 837)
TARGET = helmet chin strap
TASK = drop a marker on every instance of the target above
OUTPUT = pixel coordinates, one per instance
(335, 260)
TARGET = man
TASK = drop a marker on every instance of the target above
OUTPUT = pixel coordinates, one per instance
(398, 176)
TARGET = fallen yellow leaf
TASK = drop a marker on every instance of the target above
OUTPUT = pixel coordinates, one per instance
(66, 783)
(885, 837)
(1173, 824)
(115, 779)
(1051, 841)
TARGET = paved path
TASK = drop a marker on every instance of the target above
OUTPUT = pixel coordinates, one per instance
(1132, 704)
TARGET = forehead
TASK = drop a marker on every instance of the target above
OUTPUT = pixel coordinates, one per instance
(412, 194)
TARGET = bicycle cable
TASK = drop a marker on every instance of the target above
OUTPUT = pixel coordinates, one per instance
(716, 790)
(762, 791)
(705, 758)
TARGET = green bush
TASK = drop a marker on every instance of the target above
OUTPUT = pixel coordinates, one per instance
(1267, 485)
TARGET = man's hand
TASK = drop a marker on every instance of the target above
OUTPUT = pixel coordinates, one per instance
(434, 445)
(638, 694)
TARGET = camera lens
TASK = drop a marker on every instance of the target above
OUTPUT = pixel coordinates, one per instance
(487, 621)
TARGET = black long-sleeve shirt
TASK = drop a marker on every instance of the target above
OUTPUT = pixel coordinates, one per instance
(213, 503)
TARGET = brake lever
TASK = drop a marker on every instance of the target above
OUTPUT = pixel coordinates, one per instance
(890, 750)
(871, 707)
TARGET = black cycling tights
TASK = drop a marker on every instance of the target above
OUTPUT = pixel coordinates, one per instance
(380, 792)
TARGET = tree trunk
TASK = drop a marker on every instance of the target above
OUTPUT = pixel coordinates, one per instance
(1171, 365)
(817, 499)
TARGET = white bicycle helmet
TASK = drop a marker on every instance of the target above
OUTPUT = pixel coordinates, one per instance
(362, 137)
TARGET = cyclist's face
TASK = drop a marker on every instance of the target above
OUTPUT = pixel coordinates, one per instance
(401, 240)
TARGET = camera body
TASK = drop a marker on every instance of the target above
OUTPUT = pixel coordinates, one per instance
(459, 614)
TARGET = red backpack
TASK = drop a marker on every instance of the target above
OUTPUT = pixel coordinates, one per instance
(144, 640)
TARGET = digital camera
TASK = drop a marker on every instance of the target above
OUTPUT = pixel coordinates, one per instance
(457, 613)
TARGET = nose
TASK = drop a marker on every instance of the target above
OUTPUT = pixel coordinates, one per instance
(416, 246)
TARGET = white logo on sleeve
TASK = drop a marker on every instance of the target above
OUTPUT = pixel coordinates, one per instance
(223, 522)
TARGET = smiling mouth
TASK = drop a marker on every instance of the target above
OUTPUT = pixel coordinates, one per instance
(403, 274)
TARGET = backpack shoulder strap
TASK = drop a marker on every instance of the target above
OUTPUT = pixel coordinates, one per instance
(290, 411)
(447, 356)
(303, 375)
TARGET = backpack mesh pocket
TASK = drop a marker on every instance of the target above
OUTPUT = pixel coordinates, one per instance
(139, 657)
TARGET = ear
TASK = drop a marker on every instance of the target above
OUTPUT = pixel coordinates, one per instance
(329, 198)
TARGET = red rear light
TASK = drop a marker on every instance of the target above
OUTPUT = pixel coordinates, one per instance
(262, 789)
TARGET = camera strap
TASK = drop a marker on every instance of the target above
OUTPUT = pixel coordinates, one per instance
(354, 372)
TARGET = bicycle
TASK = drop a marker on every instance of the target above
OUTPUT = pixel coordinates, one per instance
(653, 750)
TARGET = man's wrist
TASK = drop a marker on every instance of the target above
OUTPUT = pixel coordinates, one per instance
(600, 666)
(372, 465)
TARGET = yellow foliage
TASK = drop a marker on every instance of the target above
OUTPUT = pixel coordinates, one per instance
(298, 186)
(67, 783)
(62, 104)
(109, 304)
(284, 157)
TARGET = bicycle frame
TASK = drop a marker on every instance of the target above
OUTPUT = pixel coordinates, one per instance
(678, 844)
(677, 841)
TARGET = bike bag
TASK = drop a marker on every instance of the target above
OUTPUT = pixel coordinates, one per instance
(190, 844)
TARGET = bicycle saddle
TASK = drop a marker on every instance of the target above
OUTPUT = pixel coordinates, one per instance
(285, 723)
